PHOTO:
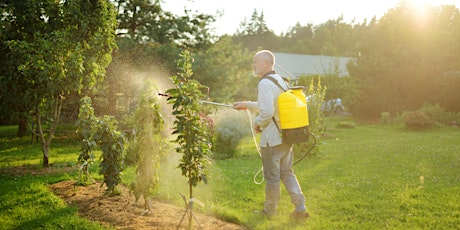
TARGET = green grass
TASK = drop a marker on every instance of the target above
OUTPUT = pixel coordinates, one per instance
(26, 202)
(366, 177)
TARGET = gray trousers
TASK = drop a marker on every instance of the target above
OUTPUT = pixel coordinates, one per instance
(277, 164)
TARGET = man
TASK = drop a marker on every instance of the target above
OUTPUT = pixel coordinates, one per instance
(276, 156)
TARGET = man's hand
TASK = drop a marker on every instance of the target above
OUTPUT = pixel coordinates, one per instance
(240, 105)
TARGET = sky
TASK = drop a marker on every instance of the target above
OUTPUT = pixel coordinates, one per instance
(280, 15)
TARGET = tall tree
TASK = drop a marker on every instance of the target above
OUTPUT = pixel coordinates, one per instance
(57, 47)
(334, 38)
(255, 34)
(298, 39)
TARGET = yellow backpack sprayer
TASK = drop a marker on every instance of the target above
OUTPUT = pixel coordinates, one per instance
(293, 113)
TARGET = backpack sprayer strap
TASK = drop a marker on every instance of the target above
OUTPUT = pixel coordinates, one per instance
(284, 90)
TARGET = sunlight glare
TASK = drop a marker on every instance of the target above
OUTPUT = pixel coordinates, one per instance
(421, 9)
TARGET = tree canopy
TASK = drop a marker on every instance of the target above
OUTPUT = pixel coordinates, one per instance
(53, 49)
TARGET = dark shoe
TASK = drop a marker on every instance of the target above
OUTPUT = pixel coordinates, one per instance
(300, 215)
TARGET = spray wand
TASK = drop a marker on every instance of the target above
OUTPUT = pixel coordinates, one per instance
(204, 102)
(215, 103)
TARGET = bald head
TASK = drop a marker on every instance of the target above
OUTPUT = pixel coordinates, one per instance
(264, 61)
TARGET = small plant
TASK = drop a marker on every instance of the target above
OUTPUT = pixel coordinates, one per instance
(103, 132)
(111, 142)
(85, 123)
(315, 101)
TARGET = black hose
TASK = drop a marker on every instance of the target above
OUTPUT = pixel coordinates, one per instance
(313, 138)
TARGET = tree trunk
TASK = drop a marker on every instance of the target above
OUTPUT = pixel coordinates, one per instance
(190, 204)
(46, 150)
(46, 139)
(22, 125)
(41, 134)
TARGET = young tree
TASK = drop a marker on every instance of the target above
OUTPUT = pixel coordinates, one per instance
(86, 124)
(193, 141)
(148, 145)
(112, 144)
(100, 132)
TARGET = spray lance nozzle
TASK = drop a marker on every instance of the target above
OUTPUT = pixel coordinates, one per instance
(164, 95)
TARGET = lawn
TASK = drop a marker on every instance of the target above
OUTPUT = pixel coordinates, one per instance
(366, 177)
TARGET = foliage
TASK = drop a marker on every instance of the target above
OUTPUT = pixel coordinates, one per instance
(111, 142)
(449, 83)
(100, 132)
(193, 141)
(316, 93)
(65, 48)
(146, 21)
(346, 88)
(85, 128)
(428, 116)
(438, 114)
(230, 128)
(224, 69)
(417, 120)
(385, 118)
(148, 145)
(254, 34)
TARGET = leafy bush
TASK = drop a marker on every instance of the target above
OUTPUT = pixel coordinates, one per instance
(417, 120)
(230, 128)
(385, 118)
(438, 114)
(427, 116)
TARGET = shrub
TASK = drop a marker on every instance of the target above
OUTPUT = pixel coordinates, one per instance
(417, 120)
(230, 128)
(385, 118)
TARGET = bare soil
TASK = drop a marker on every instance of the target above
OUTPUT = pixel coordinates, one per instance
(122, 211)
